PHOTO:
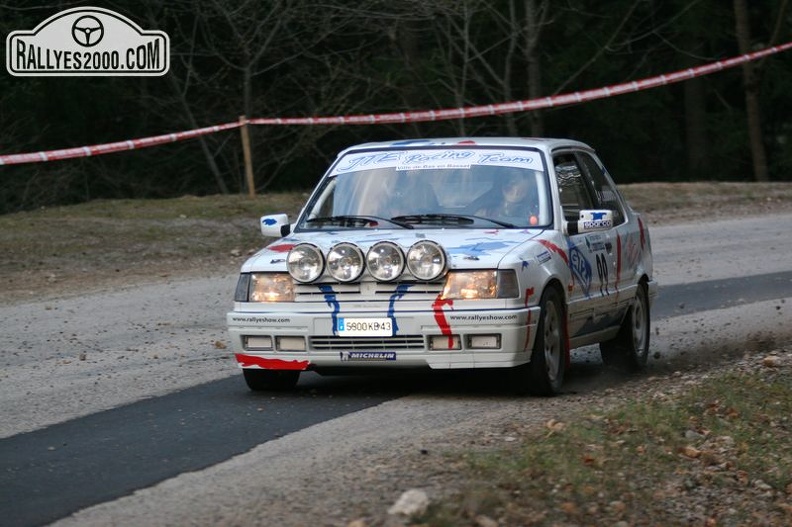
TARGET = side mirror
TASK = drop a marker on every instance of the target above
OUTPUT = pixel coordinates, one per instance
(590, 221)
(275, 225)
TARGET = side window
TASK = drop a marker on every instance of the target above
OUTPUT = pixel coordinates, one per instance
(605, 192)
(571, 186)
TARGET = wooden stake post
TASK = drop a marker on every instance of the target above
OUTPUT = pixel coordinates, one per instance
(251, 185)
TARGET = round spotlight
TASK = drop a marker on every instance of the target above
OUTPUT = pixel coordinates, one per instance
(426, 260)
(305, 262)
(345, 262)
(385, 261)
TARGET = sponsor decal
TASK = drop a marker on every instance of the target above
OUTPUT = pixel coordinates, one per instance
(556, 249)
(256, 319)
(597, 224)
(479, 317)
(595, 219)
(581, 269)
(437, 158)
(85, 42)
(594, 243)
(348, 356)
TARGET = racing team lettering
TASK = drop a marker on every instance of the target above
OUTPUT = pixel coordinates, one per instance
(436, 158)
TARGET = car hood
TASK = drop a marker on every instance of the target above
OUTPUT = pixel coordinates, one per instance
(466, 248)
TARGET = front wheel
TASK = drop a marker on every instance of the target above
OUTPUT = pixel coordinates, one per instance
(271, 380)
(544, 375)
(629, 350)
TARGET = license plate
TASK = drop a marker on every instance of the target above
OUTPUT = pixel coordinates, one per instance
(364, 327)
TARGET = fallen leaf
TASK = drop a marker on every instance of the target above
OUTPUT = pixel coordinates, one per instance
(555, 426)
(690, 451)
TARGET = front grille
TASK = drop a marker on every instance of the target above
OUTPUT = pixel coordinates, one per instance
(402, 342)
(368, 291)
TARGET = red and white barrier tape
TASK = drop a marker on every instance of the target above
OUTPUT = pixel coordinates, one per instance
(109, 148)
(529, 105)
(405, 117)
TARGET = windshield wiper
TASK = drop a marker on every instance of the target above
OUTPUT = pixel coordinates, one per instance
(497, 222)
(356, 221)
(448, 219)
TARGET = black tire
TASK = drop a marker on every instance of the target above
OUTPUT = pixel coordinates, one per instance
(544, 375)
(271, 380)
(629, 350)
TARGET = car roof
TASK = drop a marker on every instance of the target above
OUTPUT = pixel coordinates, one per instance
(548, 144)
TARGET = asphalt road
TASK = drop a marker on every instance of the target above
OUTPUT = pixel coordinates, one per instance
(66, 459)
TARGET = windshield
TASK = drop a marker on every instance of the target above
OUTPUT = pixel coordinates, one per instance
(473, 188)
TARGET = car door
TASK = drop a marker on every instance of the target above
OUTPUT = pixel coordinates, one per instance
(616, 274)
(589, 260)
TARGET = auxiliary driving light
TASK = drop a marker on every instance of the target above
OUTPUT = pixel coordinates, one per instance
(305, 262)
(345, 262)
(385, 261)
(426, 260)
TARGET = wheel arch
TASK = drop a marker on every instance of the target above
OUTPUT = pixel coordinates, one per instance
(555, 283)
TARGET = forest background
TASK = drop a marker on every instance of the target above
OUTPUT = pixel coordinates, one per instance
(291, 58)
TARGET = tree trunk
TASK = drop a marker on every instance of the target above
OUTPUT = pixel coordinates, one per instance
(210, 160)
(698, 161)
(751, 86)
(532, 30)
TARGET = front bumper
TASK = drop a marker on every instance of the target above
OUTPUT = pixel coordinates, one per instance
(483, 339)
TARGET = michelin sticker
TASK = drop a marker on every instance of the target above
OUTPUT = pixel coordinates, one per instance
(87, 42)
(367, 355)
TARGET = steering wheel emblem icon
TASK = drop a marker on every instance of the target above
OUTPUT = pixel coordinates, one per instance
(87, 31)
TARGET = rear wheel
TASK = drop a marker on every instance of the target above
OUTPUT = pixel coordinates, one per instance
(271, 380)
(629, 350)
(544, 375)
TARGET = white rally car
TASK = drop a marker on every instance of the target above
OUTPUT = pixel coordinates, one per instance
(449, 253)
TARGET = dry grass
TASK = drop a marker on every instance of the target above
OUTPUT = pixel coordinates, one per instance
(718, 452)
(105, 243)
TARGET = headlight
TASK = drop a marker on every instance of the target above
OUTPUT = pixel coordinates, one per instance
(305, 262)
(345, 262)
(266, 287)
(426, 260)
(479, 285)
(385, 261)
